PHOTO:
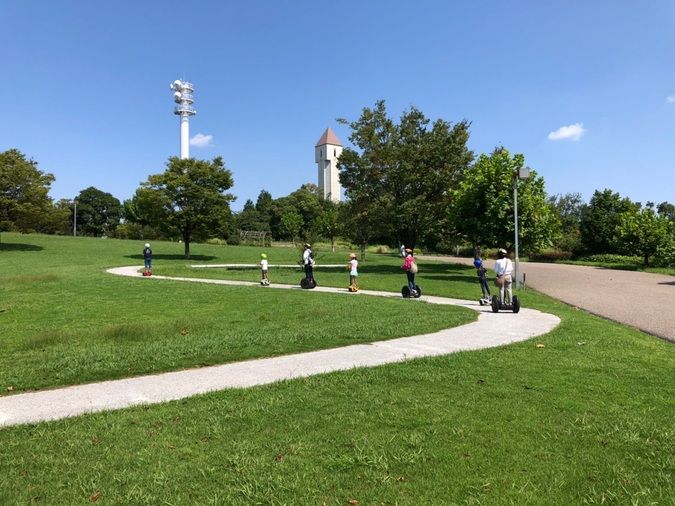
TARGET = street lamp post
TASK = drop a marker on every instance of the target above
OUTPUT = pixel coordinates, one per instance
(520, 173)
(75, 219)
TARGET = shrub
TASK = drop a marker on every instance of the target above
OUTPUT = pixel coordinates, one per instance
(550, 256)
(665, 255)
(608, 258)
(217, 242)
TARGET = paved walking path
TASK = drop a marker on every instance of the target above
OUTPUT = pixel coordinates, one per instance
(487, 331)
(640, 299)
(248, 266)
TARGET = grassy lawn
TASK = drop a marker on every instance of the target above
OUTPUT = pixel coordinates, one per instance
(66, 321)
(585, 419)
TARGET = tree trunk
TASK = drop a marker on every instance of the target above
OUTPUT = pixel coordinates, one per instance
(363, 250)
(332, 244)
(186, 242)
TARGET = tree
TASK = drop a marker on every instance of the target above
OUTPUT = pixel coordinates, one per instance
(98, 212)
(362, 221)
(569, 209)
(291, 223)
(143, 209)
(193, 202)
(264, 207)
(24, 189)
(59, 220)
(249, 218)
(328, 223)
(667, 210)
(600, 219)
(407, 167)
(482, 205)
(306, 202)
(643, 232)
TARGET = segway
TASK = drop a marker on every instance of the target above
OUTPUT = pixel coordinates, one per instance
(264, 282)
(353, 288)
(407, 293)
(147, 273)
(307, 284)
(498, 305)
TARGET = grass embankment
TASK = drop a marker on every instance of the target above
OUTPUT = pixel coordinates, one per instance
(585, 419)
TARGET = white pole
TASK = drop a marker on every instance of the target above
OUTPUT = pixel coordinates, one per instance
(75, 220)
(515, 219)
(184, 136)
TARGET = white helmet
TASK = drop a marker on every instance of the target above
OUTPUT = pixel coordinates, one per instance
(147, 244)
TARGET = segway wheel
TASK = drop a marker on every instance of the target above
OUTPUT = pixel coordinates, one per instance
(312, 283)
(481, 302)
(495, 303)
(516, 304)
(418, 292)
(304, 283)
(405, 291)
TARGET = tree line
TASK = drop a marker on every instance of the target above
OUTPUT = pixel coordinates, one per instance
(408, 181)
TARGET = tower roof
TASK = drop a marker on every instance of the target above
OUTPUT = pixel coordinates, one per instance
(329, 137)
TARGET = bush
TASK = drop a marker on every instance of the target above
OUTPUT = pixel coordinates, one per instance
(609, 258)
(379, 248)
(665, 255)
(217, 242)
(550, 256)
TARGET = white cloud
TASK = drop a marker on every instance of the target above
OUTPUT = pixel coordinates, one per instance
(572, 132)
(201, 141)
(670, 99)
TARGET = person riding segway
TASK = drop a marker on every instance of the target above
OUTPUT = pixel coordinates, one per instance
(308, 281)
(481, 272)
(505, 300)
(410, 267)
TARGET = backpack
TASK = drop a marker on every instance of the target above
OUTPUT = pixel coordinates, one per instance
(413, 266)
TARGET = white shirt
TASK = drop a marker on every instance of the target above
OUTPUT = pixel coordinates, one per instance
(263, 264)
(306, 258)
(503, 266)
(353, 264)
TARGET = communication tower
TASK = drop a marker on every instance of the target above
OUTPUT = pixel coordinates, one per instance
(183, 97)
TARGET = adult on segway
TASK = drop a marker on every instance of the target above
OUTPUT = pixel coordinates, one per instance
(308, 264)
(503, 280)
(410, 268)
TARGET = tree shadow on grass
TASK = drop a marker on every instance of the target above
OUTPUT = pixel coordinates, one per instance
(201, 258)
(19, 247)
(423, 269)
(449, 277)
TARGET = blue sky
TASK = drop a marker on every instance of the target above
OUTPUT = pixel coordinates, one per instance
(585, 89)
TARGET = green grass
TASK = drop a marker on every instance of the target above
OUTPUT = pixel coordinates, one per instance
(67, 321)
(587, 419)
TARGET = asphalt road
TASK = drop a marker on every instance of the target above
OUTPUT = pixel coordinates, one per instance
(639, 299)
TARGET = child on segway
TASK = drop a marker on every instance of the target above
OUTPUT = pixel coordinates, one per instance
(481, 272)
(264, 276)
(353, 272)
(410, 268)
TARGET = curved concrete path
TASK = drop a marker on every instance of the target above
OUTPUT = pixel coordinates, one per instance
(487, 331)
(640, 299)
